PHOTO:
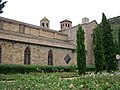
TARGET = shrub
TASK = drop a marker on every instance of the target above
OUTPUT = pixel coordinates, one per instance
(10, 68)
(14, 69)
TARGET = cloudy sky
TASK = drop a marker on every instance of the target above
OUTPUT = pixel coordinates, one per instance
(32, 11)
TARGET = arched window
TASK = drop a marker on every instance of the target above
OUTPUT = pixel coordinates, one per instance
(0, 53)
(47, 25)
(50, 57)
(61, 26)
(27, 55)
(43, 24)
(66, 24)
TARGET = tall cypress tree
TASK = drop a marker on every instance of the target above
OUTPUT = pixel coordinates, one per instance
(2, 5)
(81, 57)
(98, 50)
(119, 40)
(108, 46)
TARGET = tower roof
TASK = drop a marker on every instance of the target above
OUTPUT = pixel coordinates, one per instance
(45, 19)
(66, 21)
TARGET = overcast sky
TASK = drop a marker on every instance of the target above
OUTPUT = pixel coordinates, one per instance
(32, 11)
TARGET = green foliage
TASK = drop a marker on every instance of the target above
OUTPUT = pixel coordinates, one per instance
(90, 68)
(116, 45)
(115, 28)
(81, 57)
(115, 25)
(108, 45)
(2, 5)
(98, 50)
(14, 69)
(53, 81)
(119, 41)
(115, 20)
(10, 68)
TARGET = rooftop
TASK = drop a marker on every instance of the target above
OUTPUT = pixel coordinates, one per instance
(66, 21)
(45, 19)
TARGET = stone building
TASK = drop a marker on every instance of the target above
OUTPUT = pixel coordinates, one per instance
(23, 43)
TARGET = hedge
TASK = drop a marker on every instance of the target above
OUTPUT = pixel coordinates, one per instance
(13, 68)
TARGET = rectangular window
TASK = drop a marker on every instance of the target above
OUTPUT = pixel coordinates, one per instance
(21, 28)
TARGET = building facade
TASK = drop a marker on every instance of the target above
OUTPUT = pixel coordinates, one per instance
(23, 43)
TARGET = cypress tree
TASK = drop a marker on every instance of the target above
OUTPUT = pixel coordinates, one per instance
(81, 57)
(2, 5)
(108, 46)
(98, 50)
(119, 40)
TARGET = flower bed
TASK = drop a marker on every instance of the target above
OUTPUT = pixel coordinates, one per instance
(57, 81)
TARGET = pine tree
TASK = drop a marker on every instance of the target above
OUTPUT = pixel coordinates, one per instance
(81, 57)
(2, 5)
(98, 50)
(108, 46)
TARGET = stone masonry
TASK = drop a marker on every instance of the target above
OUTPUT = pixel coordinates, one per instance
(88, 29)
(16, 36)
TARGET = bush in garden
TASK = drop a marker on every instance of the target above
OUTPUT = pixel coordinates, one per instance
(14, 69)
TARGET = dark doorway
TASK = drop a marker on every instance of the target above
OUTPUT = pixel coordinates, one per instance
(27, 56)
(50, 57)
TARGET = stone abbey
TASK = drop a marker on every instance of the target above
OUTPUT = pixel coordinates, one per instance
(23, 43)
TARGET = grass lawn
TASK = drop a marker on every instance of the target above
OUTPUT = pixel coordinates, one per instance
(60, 81)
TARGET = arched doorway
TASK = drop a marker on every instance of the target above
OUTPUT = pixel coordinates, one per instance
(27, 55)
(50, 57)
(0, 53)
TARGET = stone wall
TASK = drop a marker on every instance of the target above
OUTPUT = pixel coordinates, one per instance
(15, 36)
(88, 29)
(13, 53)
(27, 38)
(20, 27)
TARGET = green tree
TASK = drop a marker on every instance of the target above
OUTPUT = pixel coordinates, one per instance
(81, 56)
(2, 5)
(119, 41)
(98, 50)
(116, 45)
(108, 45)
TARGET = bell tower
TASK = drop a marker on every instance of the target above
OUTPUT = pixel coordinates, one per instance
(65, 24)
(85, 20)
(45, 23)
